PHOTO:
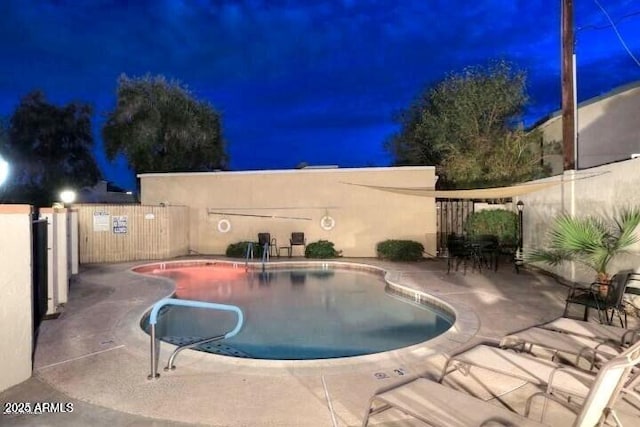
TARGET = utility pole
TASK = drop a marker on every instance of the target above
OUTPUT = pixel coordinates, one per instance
(568, 99)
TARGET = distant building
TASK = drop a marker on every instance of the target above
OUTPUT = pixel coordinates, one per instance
(105, 192)
(608, 129)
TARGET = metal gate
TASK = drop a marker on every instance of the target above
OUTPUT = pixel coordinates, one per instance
(39, 272)
(451, 215)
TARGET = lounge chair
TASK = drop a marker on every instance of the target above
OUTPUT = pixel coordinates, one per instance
(438, 405)
(582, 347)
(612, 300)
(595, 331)
(534, 370)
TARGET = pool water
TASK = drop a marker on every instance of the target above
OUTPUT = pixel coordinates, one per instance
(296, 314)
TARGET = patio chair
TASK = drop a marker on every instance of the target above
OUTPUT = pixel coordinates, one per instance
(459, 251)
(439, 405)
(591, 297)
(596, 331)
(265, 239)
(297, 239)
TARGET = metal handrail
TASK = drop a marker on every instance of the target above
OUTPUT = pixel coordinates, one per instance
(153, 320)
(265, 254)
(249, 252)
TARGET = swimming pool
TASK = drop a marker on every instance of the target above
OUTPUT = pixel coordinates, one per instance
(317, 312)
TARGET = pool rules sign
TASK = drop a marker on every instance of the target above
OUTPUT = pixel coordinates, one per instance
(119, 224)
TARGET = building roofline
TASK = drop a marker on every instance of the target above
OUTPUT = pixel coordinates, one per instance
(286, 171)
(616, 91)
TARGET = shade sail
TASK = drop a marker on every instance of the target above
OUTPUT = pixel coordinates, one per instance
(480, 193)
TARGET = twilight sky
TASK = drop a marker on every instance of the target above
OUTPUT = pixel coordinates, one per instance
(304, 80)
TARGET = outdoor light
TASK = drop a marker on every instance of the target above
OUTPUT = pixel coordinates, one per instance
(519, 254)
(4, 170)
(67, 196)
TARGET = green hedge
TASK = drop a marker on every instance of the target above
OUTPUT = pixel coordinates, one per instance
(499, 222)
(400, 250)
(321, 249)
(239, 250)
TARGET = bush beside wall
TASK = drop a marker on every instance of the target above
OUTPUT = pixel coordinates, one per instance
(500, 223)
(239, 250)
(321, 249)
(400, 250)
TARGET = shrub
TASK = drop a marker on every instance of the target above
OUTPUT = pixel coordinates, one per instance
(400, 250)
(321, 249)
(239, 250)
(500, 223)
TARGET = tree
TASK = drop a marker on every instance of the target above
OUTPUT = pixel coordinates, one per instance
(48, 148)
(467, 127)
(159, 127)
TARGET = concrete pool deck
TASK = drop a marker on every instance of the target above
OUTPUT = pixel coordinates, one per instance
(96, 356)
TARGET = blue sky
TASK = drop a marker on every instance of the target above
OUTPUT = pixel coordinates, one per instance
(302, 81)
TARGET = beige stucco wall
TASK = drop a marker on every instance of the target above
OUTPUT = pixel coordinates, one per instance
(285, 201)
(16, 318)
(596, 191)
(608, 129)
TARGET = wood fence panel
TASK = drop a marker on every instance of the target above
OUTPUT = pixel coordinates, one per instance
(118, 233)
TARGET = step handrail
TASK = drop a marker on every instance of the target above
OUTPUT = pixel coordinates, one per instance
(153, 320)
(248, 254)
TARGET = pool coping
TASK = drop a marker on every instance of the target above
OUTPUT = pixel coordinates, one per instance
(464, 327)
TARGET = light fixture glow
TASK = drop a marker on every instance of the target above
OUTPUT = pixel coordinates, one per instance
(67, 196)
(4, 170)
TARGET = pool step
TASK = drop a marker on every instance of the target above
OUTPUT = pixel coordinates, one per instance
(211, 347)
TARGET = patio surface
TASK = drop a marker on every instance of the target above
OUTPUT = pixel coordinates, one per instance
(96, 356)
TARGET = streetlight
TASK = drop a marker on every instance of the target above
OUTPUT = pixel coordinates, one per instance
(519, 254)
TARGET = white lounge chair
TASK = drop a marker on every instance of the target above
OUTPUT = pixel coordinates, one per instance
(592, 350)
(439, 405)
(595, 331)
(614, 377)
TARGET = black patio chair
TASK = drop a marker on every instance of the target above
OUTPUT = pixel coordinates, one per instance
(265, 238)
(485, 251)
(611, 300)
(297, 239)
(459, 250)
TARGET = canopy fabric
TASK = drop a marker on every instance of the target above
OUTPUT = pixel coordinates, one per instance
(480, 193)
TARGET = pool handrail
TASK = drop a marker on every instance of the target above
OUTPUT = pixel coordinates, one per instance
(153, 320)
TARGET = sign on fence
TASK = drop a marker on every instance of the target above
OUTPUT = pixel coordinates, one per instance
(101, 221)
(120, 224)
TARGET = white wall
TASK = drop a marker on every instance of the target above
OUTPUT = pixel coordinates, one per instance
(16, 318)
(600, 191)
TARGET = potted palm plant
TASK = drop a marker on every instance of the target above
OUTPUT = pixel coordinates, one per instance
(590, 241)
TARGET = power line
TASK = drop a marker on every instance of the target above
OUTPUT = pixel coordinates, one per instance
(604, 27)
(617, 33)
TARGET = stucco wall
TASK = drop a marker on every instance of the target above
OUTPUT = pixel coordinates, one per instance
(596, 191)
(16, 318)
(608, 129)
(282, 202)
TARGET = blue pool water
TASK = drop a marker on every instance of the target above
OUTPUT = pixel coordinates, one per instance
(297, 314)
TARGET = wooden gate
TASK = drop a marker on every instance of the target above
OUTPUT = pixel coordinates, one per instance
(451, 215)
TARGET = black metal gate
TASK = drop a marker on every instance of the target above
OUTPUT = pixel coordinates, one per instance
(39, 272)
(451, 215)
